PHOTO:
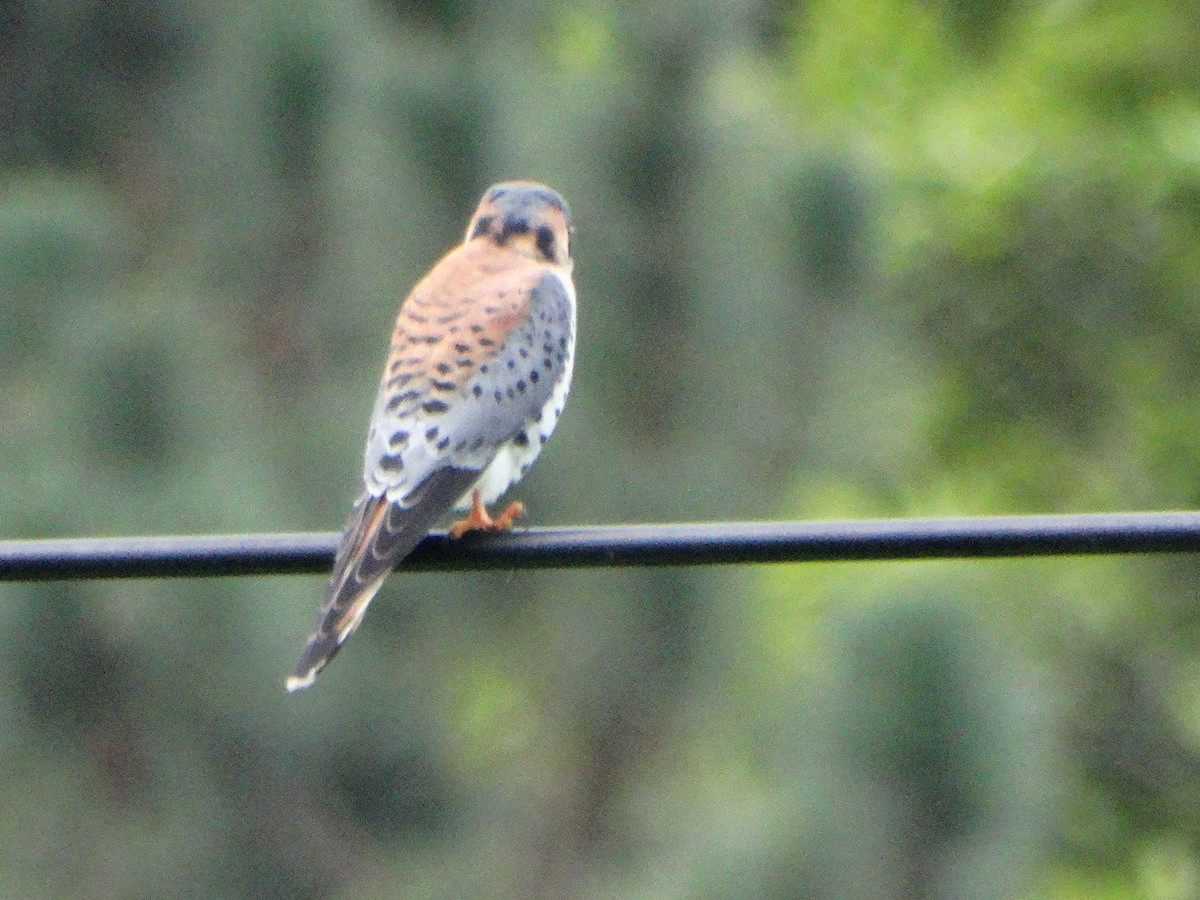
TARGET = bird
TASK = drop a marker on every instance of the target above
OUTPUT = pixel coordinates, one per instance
(476, 378)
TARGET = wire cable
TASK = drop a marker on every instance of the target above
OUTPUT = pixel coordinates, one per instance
(617, 545)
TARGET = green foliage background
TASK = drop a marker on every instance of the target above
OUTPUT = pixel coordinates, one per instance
(835, 258)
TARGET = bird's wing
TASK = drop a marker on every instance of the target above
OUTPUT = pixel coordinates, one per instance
(453, 400)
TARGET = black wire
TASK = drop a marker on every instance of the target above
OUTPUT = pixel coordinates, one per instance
(617, 545)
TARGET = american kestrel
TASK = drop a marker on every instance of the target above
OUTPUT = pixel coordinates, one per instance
(475, 381)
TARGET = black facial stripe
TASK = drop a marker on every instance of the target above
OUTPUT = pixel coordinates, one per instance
(545, 242)
(482, 226)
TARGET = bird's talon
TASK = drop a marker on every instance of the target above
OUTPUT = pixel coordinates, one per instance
(504, 521)
(478, 518)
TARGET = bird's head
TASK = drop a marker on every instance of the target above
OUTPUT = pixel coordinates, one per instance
(526, 217)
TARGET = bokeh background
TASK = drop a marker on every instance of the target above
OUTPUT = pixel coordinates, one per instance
(835, 259)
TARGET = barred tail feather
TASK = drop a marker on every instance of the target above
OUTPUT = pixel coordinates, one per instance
(379, 534)
(325, 642)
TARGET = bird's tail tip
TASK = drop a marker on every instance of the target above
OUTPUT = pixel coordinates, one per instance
(300, 682)
(321, 648)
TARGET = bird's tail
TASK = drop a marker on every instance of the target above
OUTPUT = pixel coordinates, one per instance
(378, 535)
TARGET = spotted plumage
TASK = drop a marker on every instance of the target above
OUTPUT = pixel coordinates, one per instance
(475, 381)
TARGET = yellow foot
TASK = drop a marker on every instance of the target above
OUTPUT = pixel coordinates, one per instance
(478, 518)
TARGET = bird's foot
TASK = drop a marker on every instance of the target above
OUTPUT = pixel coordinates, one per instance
(478, 519)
